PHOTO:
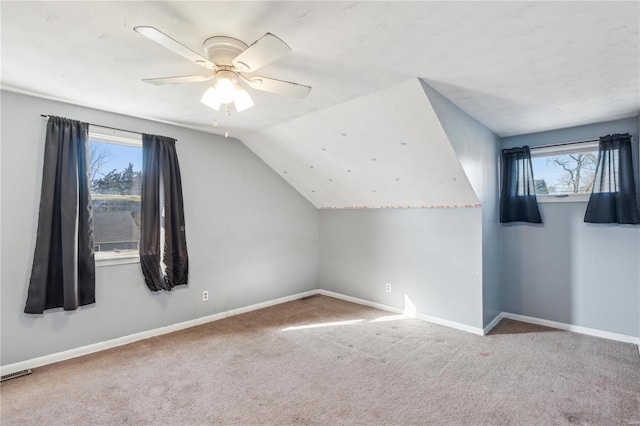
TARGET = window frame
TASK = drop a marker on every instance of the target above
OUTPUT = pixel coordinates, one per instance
(115, 137)
(563, 149)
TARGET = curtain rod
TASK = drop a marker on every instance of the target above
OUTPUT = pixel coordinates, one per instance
(100, 125)
(566, 143)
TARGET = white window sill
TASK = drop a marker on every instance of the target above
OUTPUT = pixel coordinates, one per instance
(110, 259)
(571, 198)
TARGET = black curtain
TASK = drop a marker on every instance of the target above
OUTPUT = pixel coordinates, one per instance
(613, 196)
(162, 208)
(518, 202)
(63, 272)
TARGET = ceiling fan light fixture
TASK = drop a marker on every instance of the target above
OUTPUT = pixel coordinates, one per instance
(242, 100)
(228, 58)
(226, 90)
(211, 98)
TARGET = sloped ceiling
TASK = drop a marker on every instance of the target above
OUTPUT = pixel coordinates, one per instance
(517, 67)
(366, 136)
(346, 156)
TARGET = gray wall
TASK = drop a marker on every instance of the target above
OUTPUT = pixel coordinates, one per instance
(431, 257)
(447, 262)
(566, 270)
(251, 237)
(478, 150)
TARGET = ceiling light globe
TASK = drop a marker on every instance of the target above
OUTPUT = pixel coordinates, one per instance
(242, 100)
(211, 99)
(226, 90)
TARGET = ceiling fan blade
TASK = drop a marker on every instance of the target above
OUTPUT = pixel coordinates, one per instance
(164, 40)
(266, 50)
(177, 80)
(278, 86)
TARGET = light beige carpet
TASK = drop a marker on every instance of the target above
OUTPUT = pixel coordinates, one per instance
(288, 364)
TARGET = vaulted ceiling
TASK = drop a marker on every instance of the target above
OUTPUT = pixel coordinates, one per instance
(517, 67)
(342, 157)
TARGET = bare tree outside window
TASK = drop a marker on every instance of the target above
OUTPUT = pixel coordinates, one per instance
(579, 171)
(565, 171)
(99, 157)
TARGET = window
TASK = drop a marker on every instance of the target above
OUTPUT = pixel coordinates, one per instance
(564, 172)
(116, 177)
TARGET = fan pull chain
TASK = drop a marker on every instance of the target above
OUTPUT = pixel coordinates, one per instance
(215, 122)
(226, 132)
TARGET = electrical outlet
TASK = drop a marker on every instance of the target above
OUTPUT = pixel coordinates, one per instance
(388, 287)
(205, 295)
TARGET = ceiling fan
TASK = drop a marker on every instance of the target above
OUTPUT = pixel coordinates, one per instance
(229, 59)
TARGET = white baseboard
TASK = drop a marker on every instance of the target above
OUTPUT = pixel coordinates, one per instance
(452, 324)
(100, 346)
(255, 307)
(423, 317)
(492, 324)
(574, 328)
(96, 347)
(359, 301)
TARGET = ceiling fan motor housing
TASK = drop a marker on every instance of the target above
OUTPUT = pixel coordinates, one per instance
(231, 75)
(221, 50)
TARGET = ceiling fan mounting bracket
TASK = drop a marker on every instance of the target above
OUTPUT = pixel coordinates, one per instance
(225, 73)
(221, 50)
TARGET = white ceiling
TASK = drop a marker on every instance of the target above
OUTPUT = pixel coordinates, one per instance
(342, 158)
(516, 67)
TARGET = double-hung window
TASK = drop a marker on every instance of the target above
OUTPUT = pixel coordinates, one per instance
(564, 172)
(116, 182)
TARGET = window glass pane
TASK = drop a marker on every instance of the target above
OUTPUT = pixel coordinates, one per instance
(565, 172)
(116, 178)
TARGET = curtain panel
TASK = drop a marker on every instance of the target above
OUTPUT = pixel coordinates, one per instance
(613, 196)
(518, 202)
(63, 272)
(162, 216)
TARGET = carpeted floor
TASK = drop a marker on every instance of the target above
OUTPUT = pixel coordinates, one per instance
(326, 361)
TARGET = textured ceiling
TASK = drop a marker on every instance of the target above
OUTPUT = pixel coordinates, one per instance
(355, 140)
(516, 67)
(346, 159)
